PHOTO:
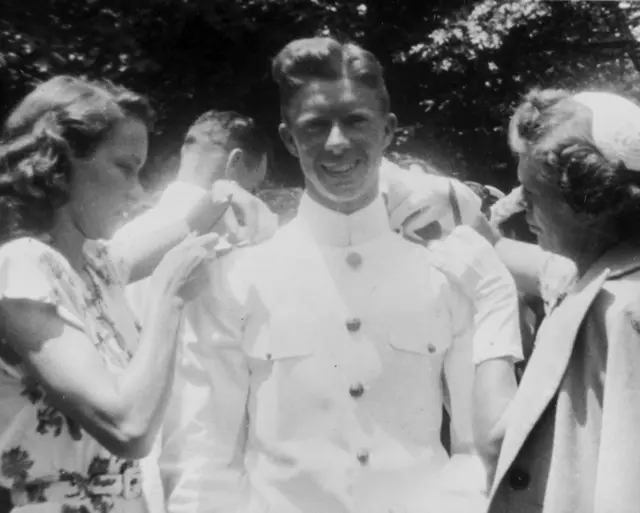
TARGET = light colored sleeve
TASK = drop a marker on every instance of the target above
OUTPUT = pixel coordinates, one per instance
(32, 271)
(130, 243)
(618, 473)
(474, 266)
(205, 428)
(174, 204)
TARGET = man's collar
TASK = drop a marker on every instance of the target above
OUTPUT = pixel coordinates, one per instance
(333, 228)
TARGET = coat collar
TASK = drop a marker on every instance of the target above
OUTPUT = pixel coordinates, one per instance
(554, 346)
(333, 228)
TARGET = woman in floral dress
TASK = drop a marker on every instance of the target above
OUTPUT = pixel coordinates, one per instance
(82, 387)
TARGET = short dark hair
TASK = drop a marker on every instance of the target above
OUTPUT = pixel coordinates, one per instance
(62, 118)
(552, 127)
(325, 58)
(229, 129)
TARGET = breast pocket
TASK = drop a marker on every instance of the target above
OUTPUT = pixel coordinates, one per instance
(279, 339)
(289, 385)
(410, 388)
(418, 333)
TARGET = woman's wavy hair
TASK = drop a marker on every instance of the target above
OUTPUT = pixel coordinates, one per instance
(61, 119)
(556, 130)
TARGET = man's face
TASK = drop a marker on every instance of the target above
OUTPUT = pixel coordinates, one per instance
(339, 132)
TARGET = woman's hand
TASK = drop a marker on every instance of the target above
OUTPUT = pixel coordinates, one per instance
(182, 271)
(249, 221)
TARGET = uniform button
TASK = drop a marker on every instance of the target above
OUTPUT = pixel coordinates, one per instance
(519, 479)
(354, 260)
(431, 348)
(356, 390)
(363, 457)
(353, 325)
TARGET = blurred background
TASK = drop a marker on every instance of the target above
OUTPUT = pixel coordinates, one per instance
(454, 68)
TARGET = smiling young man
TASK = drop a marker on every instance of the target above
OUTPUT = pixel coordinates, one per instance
(315, 383)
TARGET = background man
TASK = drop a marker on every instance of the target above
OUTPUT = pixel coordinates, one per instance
(227, 149)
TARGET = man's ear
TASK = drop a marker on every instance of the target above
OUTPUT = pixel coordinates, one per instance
(390, 129)
(287, 139)
(233, 163)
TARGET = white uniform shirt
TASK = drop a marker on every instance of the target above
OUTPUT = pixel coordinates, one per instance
(313, 379)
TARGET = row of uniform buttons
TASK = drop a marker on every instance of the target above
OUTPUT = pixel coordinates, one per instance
(354, 260)
(356, 390)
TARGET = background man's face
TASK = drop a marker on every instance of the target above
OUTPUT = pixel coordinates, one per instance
(339, 132)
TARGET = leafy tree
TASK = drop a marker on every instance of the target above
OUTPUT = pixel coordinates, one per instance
(454, 68)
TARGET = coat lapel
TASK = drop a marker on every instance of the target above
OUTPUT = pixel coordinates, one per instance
(554, 345)
(547, 367)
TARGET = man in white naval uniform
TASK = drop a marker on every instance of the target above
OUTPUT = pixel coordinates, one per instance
(316, 378)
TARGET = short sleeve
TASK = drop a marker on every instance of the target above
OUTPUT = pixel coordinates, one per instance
(473, 265)
(174, 204)
(31, 270)
(462, 311)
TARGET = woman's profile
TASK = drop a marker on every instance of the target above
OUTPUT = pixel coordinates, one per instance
(82, 386)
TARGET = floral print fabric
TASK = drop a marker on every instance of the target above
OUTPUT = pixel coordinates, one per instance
(40, 447)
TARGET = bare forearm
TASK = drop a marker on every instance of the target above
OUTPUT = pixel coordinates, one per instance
(144, 388)
(524, 262)
(494, 389)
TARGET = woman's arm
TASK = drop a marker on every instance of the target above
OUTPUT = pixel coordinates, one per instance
(495, 387)
(479, 367)
(121, 411)
(183, 209)
(187, 208)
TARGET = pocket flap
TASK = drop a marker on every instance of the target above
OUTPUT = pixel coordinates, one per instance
(425, 335)
(280, 338)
